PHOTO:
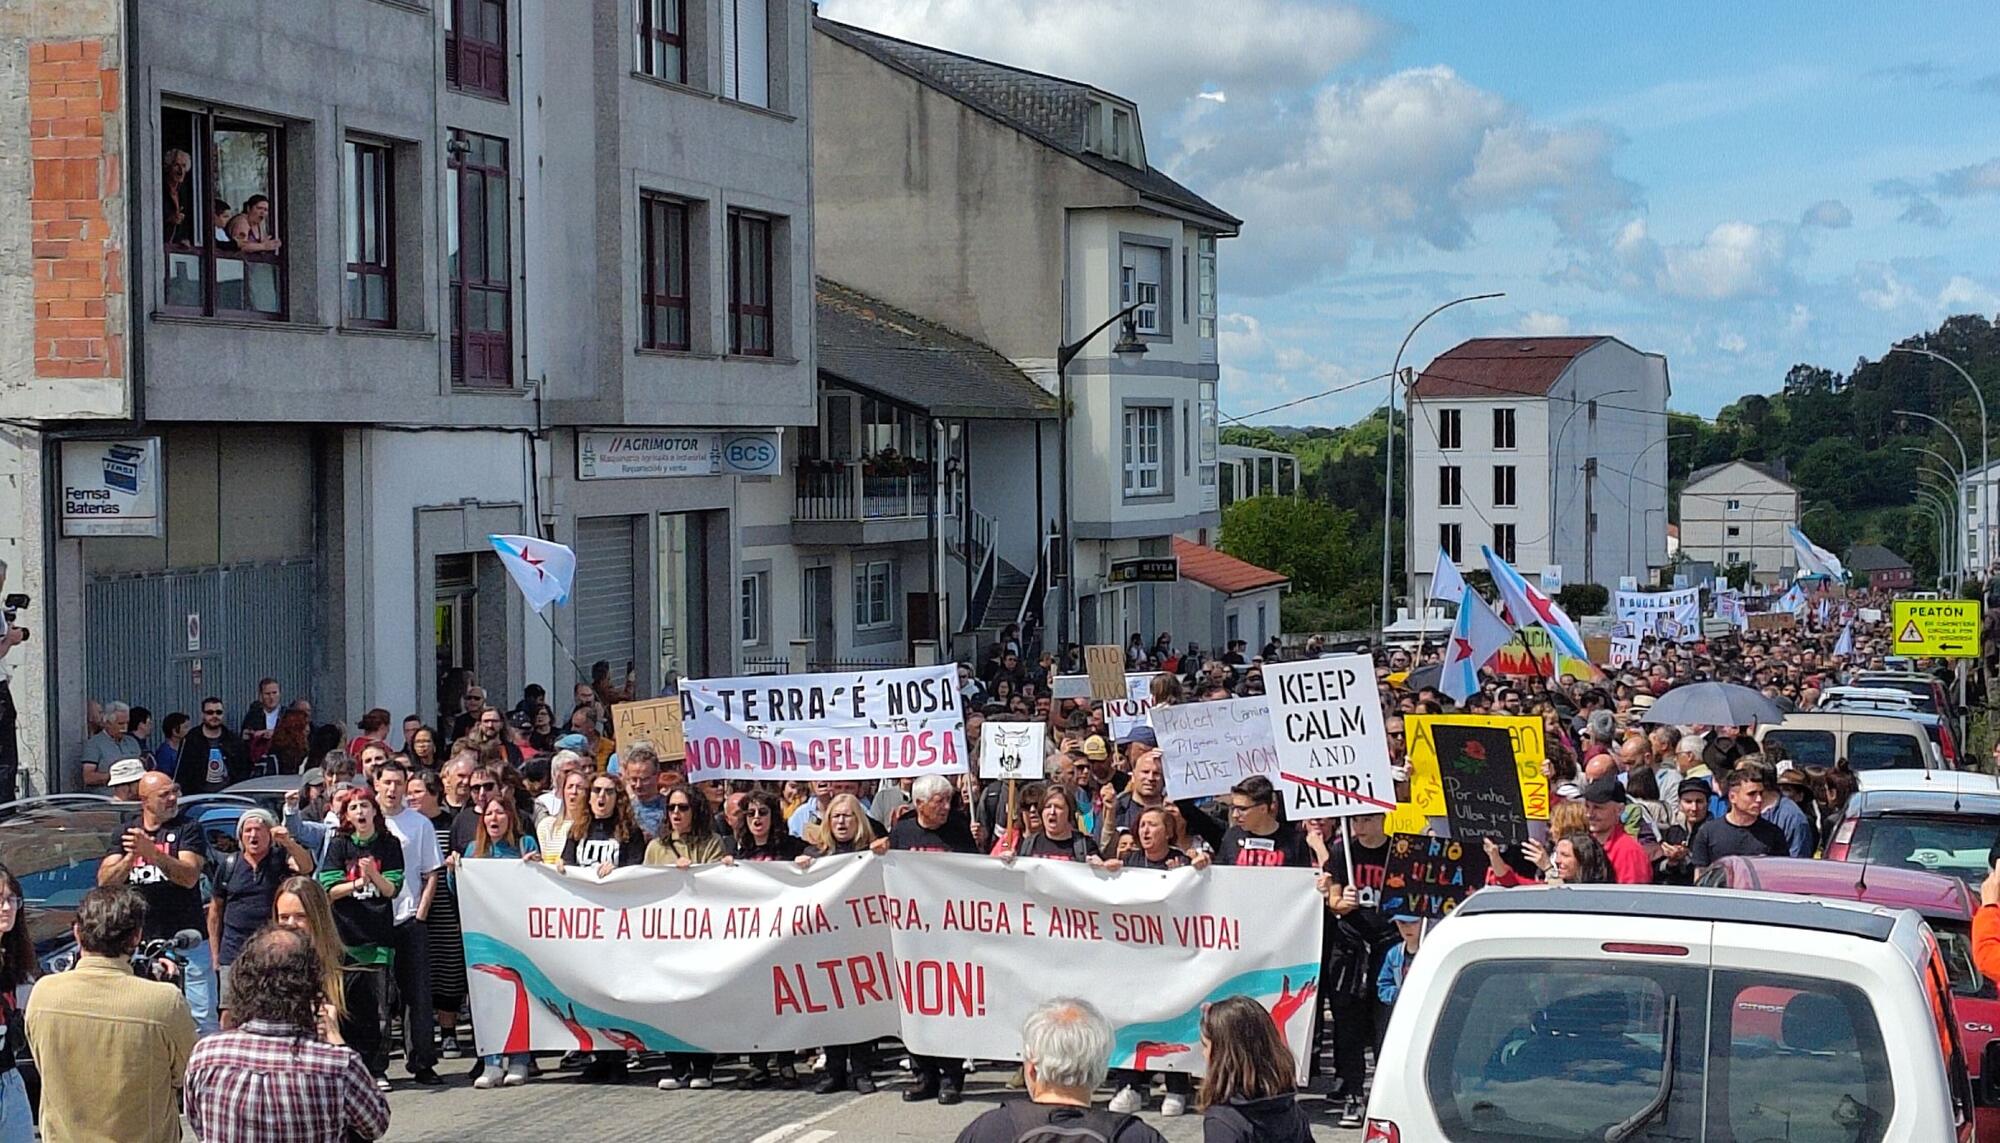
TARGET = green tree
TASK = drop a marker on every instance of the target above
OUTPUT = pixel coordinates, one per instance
(1313, 543)
(1583, 599)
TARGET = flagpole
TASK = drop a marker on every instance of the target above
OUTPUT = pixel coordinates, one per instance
(581, 674)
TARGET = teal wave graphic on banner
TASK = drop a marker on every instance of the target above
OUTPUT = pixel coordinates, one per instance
(607, 1030)
(1283, 990)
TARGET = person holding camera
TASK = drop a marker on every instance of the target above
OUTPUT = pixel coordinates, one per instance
(112, 1047)
(161, 858)
(10, 747)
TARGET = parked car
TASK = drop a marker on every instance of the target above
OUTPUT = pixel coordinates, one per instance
(1937, 821)
(1652, 1013)
(1946, 904)
(1867, 741)
(1897, 704)
(1928, 689)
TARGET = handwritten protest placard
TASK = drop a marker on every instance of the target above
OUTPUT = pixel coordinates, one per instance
(657, 721)
(1210, 746)
(1105, 665)
(1326, 724)
(1010, 750)
(1430, 876)
(859, 725)
(1525, 741)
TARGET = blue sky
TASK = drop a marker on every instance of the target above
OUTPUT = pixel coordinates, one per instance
(1738, 186)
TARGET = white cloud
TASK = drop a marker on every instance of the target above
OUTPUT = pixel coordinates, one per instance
(1961, 294)
(1735, 260)
(1828, 214)
(1731, 342)
(1213, 96)
(1799, 319)
(1921, 288)
(1966, 182)
(1538, 324)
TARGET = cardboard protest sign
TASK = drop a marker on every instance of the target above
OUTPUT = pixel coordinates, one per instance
(1207, 747)
(1326, 725)
(1773, 621)
(1430, 876)
(657, 721)
(1105, 665)
(1598, 648)
(860, 725)
(1010, 750)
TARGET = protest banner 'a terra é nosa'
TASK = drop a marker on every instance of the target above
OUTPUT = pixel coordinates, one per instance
(892, 723)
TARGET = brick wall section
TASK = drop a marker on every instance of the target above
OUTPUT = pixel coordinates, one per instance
(73, 106)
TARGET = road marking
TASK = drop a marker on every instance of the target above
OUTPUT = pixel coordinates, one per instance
(785, 1134)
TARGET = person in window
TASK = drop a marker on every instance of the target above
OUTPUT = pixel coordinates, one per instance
(177, 221)
(219, 215)
(248, 229)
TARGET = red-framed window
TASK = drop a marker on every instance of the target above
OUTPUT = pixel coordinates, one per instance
(221, 214)
(475, 46)
(665, 320)
(480, 260)
(368, 292)
(663, 39)
(750, 326)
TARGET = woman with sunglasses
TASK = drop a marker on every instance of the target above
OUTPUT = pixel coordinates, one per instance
(764, 836)
(573, 798)
(687, 838)
(500, 835)
(362, 871)
(605, 837)
(844, 830)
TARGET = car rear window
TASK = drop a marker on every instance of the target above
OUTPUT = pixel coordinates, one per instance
(1954, 938)
(1805, 747)
(1554, 1051)
(1875, 750)
(1959, 845)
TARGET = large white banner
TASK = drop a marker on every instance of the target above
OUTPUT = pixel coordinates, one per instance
(894, 723)
(1333, 752)
(946, 951)
(1671, 615)
(1207, 747)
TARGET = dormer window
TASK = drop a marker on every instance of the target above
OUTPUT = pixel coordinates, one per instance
(1112, 130)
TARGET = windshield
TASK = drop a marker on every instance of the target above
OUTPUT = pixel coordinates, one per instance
(1561, 1051)
(1959, 845)
(1875, 750)
(1805, 747)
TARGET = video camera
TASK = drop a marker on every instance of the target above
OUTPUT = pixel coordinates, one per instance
(11, 606)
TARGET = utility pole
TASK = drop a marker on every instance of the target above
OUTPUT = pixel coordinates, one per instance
(1590, 520)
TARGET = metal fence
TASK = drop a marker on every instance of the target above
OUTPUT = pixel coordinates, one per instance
(817, 666)
(165, 640)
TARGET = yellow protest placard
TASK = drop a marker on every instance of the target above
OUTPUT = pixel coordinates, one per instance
(1427, 784)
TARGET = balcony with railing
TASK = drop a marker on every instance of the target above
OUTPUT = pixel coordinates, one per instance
(881, 500)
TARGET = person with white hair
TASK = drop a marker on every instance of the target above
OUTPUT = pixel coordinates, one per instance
(246, 887)
(108, 746)
(934, 825)
(1065, 1054)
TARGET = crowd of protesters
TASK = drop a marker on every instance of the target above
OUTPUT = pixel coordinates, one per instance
(365, 859)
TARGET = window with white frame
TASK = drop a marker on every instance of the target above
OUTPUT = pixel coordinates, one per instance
(1145, 429)
(1503, 486)
(1450, 486)
(1451, 538)
(1732, 505)
(1503, 541)
(746, 52)
(750, 610)
(1205, 269)
(1732, 557)
(1449, 435)
(1503, 428)
(874, 595)
(1140, 281)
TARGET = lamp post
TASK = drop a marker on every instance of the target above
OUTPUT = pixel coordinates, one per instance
(1129, 347)
(1985, 462)
(1555, 460)
(1957, 485)
(1964, 465)
(1631, 475)
(1933, 503)
(1389, 448)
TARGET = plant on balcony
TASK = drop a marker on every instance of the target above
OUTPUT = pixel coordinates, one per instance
(817, 465)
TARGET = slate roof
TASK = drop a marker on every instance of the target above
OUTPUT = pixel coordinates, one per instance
(1047, 108)
(870, 344)
(1873, 557)
(1221, 571)
(1778, 471)
(1499, 366)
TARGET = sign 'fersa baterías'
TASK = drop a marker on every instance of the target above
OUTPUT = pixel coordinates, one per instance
(1326, 722)
(948, 952)
(860, 725)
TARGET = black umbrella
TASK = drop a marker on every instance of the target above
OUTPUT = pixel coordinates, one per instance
(1713, 704)
(1423, 677)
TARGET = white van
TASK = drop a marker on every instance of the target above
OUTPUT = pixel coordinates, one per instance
(1627, 1014)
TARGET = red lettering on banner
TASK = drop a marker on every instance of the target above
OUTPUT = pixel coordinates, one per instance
(882, 909)
(1073, 924)
(810, 919)
(555, 923)
(848, 982)
(744, 922)
(1137, 929)
(943, 988)
(675, 924)
(715, 754)
(871, 977)
(1202, 931)
(977, 916)
(792, 992)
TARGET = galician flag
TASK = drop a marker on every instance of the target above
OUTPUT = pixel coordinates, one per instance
(1446, 584)
(1476, 636)
(1526, 604)
(541, 568)
(1793, 601)
(1845, 644)
(1813, 559)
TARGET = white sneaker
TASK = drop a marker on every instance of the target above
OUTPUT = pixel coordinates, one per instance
(1173, 1105)
(489, 1078)
(1127, 1101)
(670, 1083)
(517, 1074)
(700, 1083)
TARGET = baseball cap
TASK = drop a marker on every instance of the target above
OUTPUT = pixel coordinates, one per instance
(1603, 790)
(126, 771)
(313, 777)
(573, 741)
(1406, 917)
(1093, 748)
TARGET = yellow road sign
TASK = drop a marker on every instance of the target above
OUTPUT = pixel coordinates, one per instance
(1935, 628)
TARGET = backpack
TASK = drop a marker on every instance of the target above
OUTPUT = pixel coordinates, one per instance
(1091, 1125)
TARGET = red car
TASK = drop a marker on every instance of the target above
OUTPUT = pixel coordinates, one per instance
(1946, 904)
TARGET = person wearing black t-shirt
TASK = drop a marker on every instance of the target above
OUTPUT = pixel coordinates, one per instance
(246, 884)
(1060, 839)
(1154, 848)
(763, 835)
(608, 837)
(931, 827)
(1743, 831)
(1357, 939)
(1255, 836)
(162, 856)
(361, 871)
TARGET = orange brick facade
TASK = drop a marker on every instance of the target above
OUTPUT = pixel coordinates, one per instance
(73, 108)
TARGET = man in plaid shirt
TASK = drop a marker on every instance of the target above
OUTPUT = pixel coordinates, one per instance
(273, 1079)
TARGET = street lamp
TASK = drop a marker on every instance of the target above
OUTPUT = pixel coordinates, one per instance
(1128, 347)
(1632, 474)
(1934, 505)
(1956, 499)
(1555, 460)
(1389, 451)
(1985, 463)
(1963, 463)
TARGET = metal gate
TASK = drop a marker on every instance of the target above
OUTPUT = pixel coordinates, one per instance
(166, 640)
(604, 594)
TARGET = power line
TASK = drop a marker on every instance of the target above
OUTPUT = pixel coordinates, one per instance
(1302, 400)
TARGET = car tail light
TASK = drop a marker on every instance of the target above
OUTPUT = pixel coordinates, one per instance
(1950, 746)
(1382, 1131)
(1843, 836)
(1637, 949)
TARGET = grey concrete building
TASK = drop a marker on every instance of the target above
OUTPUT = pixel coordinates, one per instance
(392, 276)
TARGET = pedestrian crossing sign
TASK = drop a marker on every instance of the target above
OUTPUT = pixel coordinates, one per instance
(1936, 628)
